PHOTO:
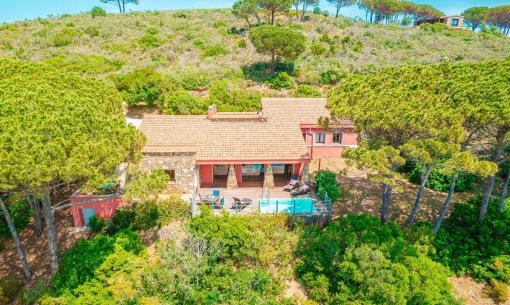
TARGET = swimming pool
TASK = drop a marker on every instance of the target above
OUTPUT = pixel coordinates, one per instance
(288, 205)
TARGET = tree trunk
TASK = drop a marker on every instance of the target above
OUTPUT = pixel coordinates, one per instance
(296, 5)
(419, 196)
(273, 12)
(273, 62)
(123, 6)
(258, 18)
(52, 233)
(386, 200)
(17, 241)
(337, 11)
(248, 21)
(504, 192)
(303, 12)
(36, 210)
(446, 204)
(496, 158)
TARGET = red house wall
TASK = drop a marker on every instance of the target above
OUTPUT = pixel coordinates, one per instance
(104, 209)
(206, 174)
(239, 172)
(328, 149)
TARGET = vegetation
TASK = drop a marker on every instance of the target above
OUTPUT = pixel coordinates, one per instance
(479, 249)
(327, 185)
(71, 130)
(146, 185)
(20, 213)
(278, 42)
(356, 260)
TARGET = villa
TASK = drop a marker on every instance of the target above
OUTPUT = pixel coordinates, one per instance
(232, 150)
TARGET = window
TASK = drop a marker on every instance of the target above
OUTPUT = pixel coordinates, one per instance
(455, 22)
(171, 174)
(337, 137)
(320, 137)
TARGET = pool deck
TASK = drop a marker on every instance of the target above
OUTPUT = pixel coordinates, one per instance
(253, 193)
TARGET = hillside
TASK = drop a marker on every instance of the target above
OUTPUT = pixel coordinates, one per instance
(195, 47)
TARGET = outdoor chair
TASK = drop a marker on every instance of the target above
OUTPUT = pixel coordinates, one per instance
(291, 186)
(240, 204)
(304, 189)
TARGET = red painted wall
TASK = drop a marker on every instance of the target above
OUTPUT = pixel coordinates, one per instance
(239, 172)
(104, 209)
(206, 174)
(328, 149)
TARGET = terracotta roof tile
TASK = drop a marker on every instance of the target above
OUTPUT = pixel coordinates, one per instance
(277, 138)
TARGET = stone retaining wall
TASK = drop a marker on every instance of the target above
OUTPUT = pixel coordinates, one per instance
(182, 163)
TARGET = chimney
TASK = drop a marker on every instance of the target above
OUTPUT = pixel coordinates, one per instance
(211, 111)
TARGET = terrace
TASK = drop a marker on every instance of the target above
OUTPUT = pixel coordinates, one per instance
(267, 201)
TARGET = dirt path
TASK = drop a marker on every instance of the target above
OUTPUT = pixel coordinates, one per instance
(471, 291)
(37, 247)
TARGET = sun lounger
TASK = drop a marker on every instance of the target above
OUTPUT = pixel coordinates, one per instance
(304, 189)
(240, 204)
(291, 186)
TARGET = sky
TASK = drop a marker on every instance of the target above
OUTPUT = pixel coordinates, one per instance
(14, 10)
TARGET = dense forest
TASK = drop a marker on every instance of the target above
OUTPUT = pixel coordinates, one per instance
(431, 104)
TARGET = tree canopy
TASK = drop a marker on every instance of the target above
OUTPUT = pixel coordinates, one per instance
(279, 42)
(59, 127)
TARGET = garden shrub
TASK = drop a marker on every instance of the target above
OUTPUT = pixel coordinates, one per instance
(146, 185)
(282, 80)
(80, 263)
(215, 50)
(149, 214)
(318, 49)
(480, 249)
(306, 91)
(10, 287)
(182, 102)
(262, 240)
(144, 86)
(356, 260)
(194, 80)
(441, 182)
(20, 213)
(331, 77)
(96, 224)
(230, 96)
(97, 11)
(326, 183)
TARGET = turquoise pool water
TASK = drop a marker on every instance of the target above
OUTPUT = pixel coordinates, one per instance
(288, 205)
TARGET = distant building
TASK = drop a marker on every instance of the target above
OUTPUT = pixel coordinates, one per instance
(451, 21)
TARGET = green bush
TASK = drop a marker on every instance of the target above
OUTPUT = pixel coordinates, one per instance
(282, 80)
(215, 50)
(97, 11)
(194, 80)
(326, 183)
(182, 102)
(306, 91)
(92, 31)
(356, 260)
(10, 287)
(96, 224)
(498, 291)
(146, 185)
(317, 10)
(262, 240)
(242, 44)
(144, 86)
(480, 249)
(20, 213)
(149, 214)
(65, 37)
(80, 263)
(149, 41)
(85, 64)
(229, 96)
(441, 182)
(331, 77)
(318, 49)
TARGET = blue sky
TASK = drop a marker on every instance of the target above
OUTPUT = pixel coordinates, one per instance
(12, 10)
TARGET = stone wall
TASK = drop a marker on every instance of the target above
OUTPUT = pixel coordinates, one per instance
(182, 163)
